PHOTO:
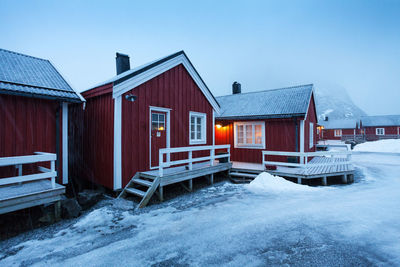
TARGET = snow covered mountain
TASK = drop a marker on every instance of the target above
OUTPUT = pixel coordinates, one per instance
(333, 101)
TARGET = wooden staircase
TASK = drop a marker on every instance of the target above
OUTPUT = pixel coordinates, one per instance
(142, 186)
(241, 176)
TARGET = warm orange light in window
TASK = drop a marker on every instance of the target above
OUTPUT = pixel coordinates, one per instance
(161, 128)
(218, 126)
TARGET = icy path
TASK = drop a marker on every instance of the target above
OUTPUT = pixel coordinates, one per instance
(358, 224)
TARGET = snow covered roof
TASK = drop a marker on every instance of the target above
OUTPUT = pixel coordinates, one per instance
(276, 103)
(339, 124)
(31, 76)
(384, 120)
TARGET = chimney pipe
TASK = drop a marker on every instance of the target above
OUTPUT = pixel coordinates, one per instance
(236, 88)
(326, 118)
(122, 63)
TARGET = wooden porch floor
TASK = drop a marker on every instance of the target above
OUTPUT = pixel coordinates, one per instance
(20, 196)
(341, 168)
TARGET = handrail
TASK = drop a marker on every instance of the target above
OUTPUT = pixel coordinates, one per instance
(190, 160)
(303, 156)
(18, 161)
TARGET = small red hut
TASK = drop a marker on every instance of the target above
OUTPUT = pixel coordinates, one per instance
(343, 129)
(128, 118)
(381, 127)
(276, 120)
(34, 101)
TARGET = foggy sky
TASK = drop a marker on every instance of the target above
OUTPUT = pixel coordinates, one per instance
(261, 44)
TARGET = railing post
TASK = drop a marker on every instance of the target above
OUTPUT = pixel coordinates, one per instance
(190, 160)
(53, 178)
(212, 154)
(229, 153)
(160, 164)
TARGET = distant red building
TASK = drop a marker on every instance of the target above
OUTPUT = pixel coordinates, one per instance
(278, 120)
(345, 129)
(128, 118)
(381, 127)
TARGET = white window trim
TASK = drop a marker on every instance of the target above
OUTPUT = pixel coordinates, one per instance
(203, 128)
(337, 135)
(383, 130)
(255, 146)
(311, 130)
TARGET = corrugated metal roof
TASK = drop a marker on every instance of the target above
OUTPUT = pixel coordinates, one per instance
(276, 103)
(339, 124)
(26, 75)
(384, 120)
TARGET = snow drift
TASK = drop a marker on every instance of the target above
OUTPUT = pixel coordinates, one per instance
(268, 183)
(389, 145)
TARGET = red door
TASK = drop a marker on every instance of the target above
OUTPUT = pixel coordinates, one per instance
(158, 137)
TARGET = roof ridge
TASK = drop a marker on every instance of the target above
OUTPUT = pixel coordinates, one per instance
(268, 90)
(20, 54)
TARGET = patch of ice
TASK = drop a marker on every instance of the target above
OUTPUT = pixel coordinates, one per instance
(389, 145)
(268, 183)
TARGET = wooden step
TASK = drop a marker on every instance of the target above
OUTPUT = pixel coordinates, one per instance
(135, 191)
(145, 175)
(142, 182)
(242, 174)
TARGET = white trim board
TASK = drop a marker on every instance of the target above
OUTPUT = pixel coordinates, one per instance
(168, 137)
(117, 183)
(65, 143)
(145, 76)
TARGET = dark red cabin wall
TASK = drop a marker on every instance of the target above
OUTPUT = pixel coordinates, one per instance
(28, 125)
(388, 130)
(95, 136)
(329, 134)
(279, 136)
(174, 89)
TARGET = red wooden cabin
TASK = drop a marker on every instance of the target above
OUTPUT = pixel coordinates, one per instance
(345, 129)
(34, 100)
(276, 120)
(381, 127)
(128, 118)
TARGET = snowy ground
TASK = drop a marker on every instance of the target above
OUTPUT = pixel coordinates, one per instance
(234, 225)
(387, 146)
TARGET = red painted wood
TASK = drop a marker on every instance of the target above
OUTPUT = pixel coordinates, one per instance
(28, 125)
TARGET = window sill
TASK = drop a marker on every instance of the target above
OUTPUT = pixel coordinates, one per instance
(201, 142)
(250, 147)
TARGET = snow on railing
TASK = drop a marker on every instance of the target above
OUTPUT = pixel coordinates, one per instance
(190, 160)
(304, 156)
(18, 161)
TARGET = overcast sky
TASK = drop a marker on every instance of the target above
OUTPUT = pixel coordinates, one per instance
(261, 44)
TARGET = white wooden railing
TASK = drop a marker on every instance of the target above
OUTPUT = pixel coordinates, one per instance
(304, 156)
(190, 160)
(18, 161)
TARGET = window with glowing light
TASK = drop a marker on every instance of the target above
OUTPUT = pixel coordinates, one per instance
(249, 134)
(157, 121)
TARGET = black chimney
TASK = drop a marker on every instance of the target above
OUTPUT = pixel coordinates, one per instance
(122, 62)
(236, 88)
(326, 118)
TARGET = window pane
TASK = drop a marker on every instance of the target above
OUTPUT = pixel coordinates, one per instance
(161, 126)
(192, 119)
(161, 118)
(240, 134)
(154, 117)
(154, 126)
(199, 135)
(249, 134)
(192, 128)
(258, 134)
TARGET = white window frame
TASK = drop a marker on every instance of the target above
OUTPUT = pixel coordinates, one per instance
(253, 145)
(337, 135)
(377, 131)
(203, 139)
(311, 134)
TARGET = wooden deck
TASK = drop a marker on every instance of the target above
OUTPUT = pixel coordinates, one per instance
(20, 196)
